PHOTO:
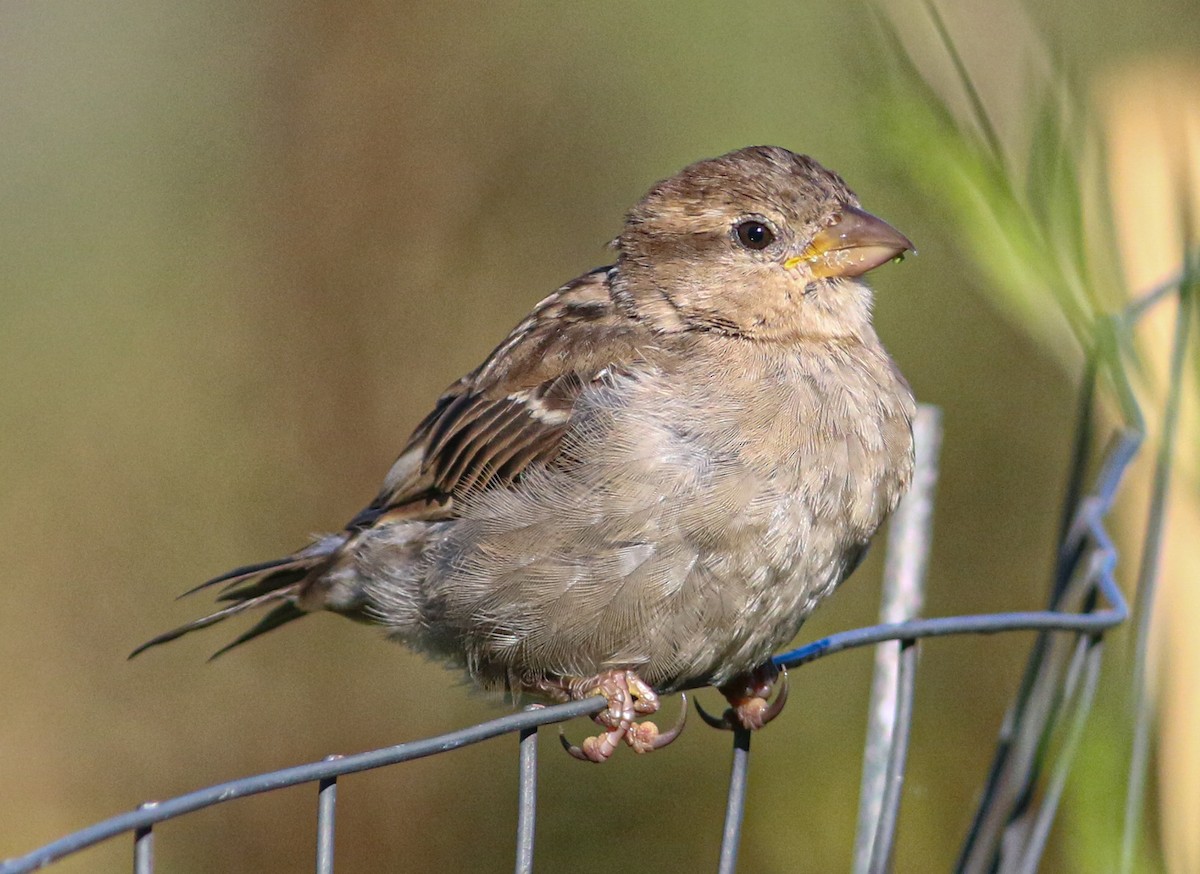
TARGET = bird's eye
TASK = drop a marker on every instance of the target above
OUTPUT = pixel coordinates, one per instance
(754, 234)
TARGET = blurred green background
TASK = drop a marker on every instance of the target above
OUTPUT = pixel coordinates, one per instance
(244, 245)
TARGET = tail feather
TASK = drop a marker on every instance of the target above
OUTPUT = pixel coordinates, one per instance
(276, 581)
(205, 621)
(281, 615)
(280, 582)
(246, 572)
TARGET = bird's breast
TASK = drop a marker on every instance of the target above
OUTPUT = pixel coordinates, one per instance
(693, 519)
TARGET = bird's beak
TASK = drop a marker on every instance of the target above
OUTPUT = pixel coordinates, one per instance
(855, 243)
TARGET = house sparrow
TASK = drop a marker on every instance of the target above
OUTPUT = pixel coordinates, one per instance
(655, 478)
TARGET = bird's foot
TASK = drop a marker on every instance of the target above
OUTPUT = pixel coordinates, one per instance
(628, 697)
(749, 696)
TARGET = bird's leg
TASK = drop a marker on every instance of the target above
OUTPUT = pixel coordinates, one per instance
(628, 697)
(749, 695)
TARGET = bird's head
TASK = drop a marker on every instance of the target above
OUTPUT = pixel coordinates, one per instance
(760, 243)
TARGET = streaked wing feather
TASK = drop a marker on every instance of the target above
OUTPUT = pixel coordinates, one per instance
(474, 447)
(512, 412)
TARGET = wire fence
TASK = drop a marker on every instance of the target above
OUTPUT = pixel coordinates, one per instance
(1041, 732)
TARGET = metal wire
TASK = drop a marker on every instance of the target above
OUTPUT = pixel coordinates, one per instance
(143, 846)
(148, 815)
(326, 809)
(885, 831)
(735, 803)
(527, 796)
(909, 535)
(1087, 662)
(1008, 831)
(1086, 601)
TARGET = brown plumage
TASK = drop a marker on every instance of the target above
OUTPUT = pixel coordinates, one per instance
(659, 473)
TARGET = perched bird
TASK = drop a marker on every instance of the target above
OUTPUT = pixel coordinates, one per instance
(655, 478)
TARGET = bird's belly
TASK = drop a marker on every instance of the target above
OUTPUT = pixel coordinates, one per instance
(688, 564)
(757, 595)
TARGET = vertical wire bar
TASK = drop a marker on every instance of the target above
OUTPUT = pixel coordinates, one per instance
(735, 805)
(143, 851)
(1147, 583)
(1005, 810)
(993, 807)
(326, 808)
(143, 845)
(1087, 660)
(885, 833)
(526, 799)
(909, 535)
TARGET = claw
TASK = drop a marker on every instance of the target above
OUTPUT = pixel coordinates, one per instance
(781, 698)
(750, 711)
(593, 749)
(643, 737)
(571, 748)
(721, 724)
(754, 712)
(628, 696)
(677, 729)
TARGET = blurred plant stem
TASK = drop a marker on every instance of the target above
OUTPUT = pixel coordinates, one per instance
(1067, 213)
(1151, 121)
